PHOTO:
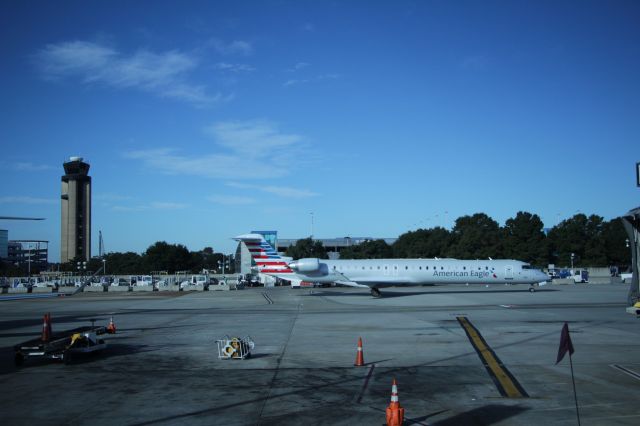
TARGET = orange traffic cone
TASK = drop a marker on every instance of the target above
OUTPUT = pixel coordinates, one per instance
(395, 413)
(111, 328)
(46, 328)
(359, 355)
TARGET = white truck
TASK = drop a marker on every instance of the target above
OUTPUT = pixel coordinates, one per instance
(579, 276)
(141, 280)
(202, 280)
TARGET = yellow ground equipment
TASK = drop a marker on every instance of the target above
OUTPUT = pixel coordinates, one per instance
(235, 347)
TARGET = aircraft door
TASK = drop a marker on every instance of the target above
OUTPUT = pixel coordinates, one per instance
(508, 272)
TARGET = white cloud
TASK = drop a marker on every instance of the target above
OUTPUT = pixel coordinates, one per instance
(254, 149)
(163, 205)
(281, 191)
(330, 76)
(298, 67)
(236, 47)
(236, 68)
(111, 197)
(223, 166)
(162, 74)
(31, 167)
(156, 205)
(128, 209)
(294, 82)
(231, 200)
(27, 200)
(254, 139)
(320, 77)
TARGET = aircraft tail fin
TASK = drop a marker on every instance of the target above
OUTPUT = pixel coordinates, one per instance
(266, 258)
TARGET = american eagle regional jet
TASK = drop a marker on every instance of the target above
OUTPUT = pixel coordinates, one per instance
(377, 273)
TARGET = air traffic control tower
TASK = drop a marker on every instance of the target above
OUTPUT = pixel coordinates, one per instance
(75, 239)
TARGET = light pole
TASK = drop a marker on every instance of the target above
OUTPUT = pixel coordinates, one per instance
(572, 256)
(104, 266)
(82, 266)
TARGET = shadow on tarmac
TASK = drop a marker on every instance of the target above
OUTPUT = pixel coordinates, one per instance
(391, 294)
(113, 350)
(487, 415)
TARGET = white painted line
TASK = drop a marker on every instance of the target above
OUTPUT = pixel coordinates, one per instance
(627, 371)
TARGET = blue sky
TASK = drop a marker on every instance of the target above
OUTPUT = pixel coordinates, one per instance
(204, 120)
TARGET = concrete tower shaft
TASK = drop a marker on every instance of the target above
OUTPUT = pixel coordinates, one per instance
(76, 211)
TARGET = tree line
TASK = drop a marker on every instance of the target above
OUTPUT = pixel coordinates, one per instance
(160, 257)
(592, 241)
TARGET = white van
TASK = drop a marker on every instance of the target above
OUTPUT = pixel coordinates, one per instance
(141, 280)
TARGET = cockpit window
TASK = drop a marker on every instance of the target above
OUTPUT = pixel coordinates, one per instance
(525, 266)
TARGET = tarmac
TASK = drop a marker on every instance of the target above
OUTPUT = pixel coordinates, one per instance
(461, 355)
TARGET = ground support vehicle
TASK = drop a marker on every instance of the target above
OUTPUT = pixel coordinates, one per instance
(62, 345)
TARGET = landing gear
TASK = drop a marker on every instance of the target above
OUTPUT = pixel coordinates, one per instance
(375, 292)
(532, 289)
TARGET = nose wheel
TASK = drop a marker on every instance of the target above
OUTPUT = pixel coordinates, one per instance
(532, 289)
(375, 292)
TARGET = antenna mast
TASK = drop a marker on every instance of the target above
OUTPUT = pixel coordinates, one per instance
(100, 245)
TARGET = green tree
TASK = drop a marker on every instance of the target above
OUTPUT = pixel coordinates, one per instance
(614, 237)
(123, 263)
(307, 248)
(423, 243)
(208, 259)
(95, 265)
(8, 269)
(376, 249)
(595, 252)
(582, 236)
(476, 236)
(524, 239)
(162, 256)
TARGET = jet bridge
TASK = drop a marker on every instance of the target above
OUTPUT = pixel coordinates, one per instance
(631, 222)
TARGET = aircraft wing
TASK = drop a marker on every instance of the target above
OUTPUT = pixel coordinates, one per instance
(292, 278)
(352, 284)
(368, 282)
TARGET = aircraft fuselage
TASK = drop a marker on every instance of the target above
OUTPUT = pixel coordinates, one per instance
(381, 272)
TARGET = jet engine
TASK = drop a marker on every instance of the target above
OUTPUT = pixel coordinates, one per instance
(305, 265)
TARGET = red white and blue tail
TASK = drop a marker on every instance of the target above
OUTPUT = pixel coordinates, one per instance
(267, 260)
